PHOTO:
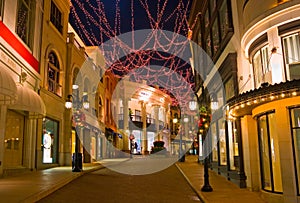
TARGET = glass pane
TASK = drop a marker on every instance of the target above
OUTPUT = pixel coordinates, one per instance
(206, 20)
(208, 46)
(264, 153)
(222, 142)
(212, 5)
(291, 46)
(214, 142)
(275, 153)
(257, 68)
(229, 89)
(233, 145)
(295, 117)
(215, 35)
(50, 141)
(1, 6)
(22, 21)
(224, 20)
(296, 135)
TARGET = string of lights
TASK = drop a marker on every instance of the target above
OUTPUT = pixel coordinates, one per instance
(95, 25)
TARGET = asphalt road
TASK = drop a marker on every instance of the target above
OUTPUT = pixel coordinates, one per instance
(106, 186)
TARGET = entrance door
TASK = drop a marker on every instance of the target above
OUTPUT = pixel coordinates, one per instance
(13, 152)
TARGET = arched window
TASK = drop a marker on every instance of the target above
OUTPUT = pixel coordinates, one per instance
(54, 74)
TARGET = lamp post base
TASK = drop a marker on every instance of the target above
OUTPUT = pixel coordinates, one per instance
(77, 162)
(206, 188)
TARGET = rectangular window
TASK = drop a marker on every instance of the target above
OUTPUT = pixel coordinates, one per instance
(222, 142)
(50, 141)
(215, 36)
(1, 8)
(269, 153)
(229, 89)
(295, 128)
(56, 17)
(224, 19)
(233, 145)
(260, 62)
(214, 142)
(291, 49)
(25, 21)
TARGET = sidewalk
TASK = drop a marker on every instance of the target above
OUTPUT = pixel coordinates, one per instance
(33, 186)
(223, 190)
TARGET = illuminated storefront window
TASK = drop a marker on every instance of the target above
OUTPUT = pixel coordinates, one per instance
(222, 142)
(50, 141)
(214, 142)
(233, 145)
(295, 128)
(269, 153)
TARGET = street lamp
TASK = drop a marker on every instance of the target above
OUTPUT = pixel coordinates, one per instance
(203, 129)
(77, 104)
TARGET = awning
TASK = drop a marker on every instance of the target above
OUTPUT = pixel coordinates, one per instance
(28, 100)
(8, 89)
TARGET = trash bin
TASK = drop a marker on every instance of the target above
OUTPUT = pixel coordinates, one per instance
(79, 160)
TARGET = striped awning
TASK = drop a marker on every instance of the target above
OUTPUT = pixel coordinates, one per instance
(8, 88)
(28, 100)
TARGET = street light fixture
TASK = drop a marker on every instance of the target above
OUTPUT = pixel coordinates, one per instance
(73, 101)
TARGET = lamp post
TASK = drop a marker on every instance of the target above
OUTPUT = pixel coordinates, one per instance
(77, 104)
(204, 126)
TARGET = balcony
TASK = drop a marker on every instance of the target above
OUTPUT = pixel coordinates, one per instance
(135, 122)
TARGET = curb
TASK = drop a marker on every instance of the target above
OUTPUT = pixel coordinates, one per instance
(201, 197)
(44, 193)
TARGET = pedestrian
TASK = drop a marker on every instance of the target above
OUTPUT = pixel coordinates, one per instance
(136, 146)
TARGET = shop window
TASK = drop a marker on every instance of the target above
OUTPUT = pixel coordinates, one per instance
(291, 49)
(214, 142)
(50, 141)
(222, 142)
(25, 20)
(56, 17)
(260, 62)
(269, 153)
(54, 74)
(295, 128)
(14, 139)
(233, 145)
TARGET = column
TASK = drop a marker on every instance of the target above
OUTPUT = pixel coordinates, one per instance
(126, 126)
(156, 118)
(144, 130)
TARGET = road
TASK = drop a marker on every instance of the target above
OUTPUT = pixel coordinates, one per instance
(106, 185)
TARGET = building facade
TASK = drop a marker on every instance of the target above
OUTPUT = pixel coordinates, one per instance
(22, 108)
(256, 51)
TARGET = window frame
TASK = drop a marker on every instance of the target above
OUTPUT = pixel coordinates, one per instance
(211, 22)
(264, 69)
(29, 24)
(1, 9)
(57, 21)
(286, 64)
(57, 87)
(292, 128)
(271, 170)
